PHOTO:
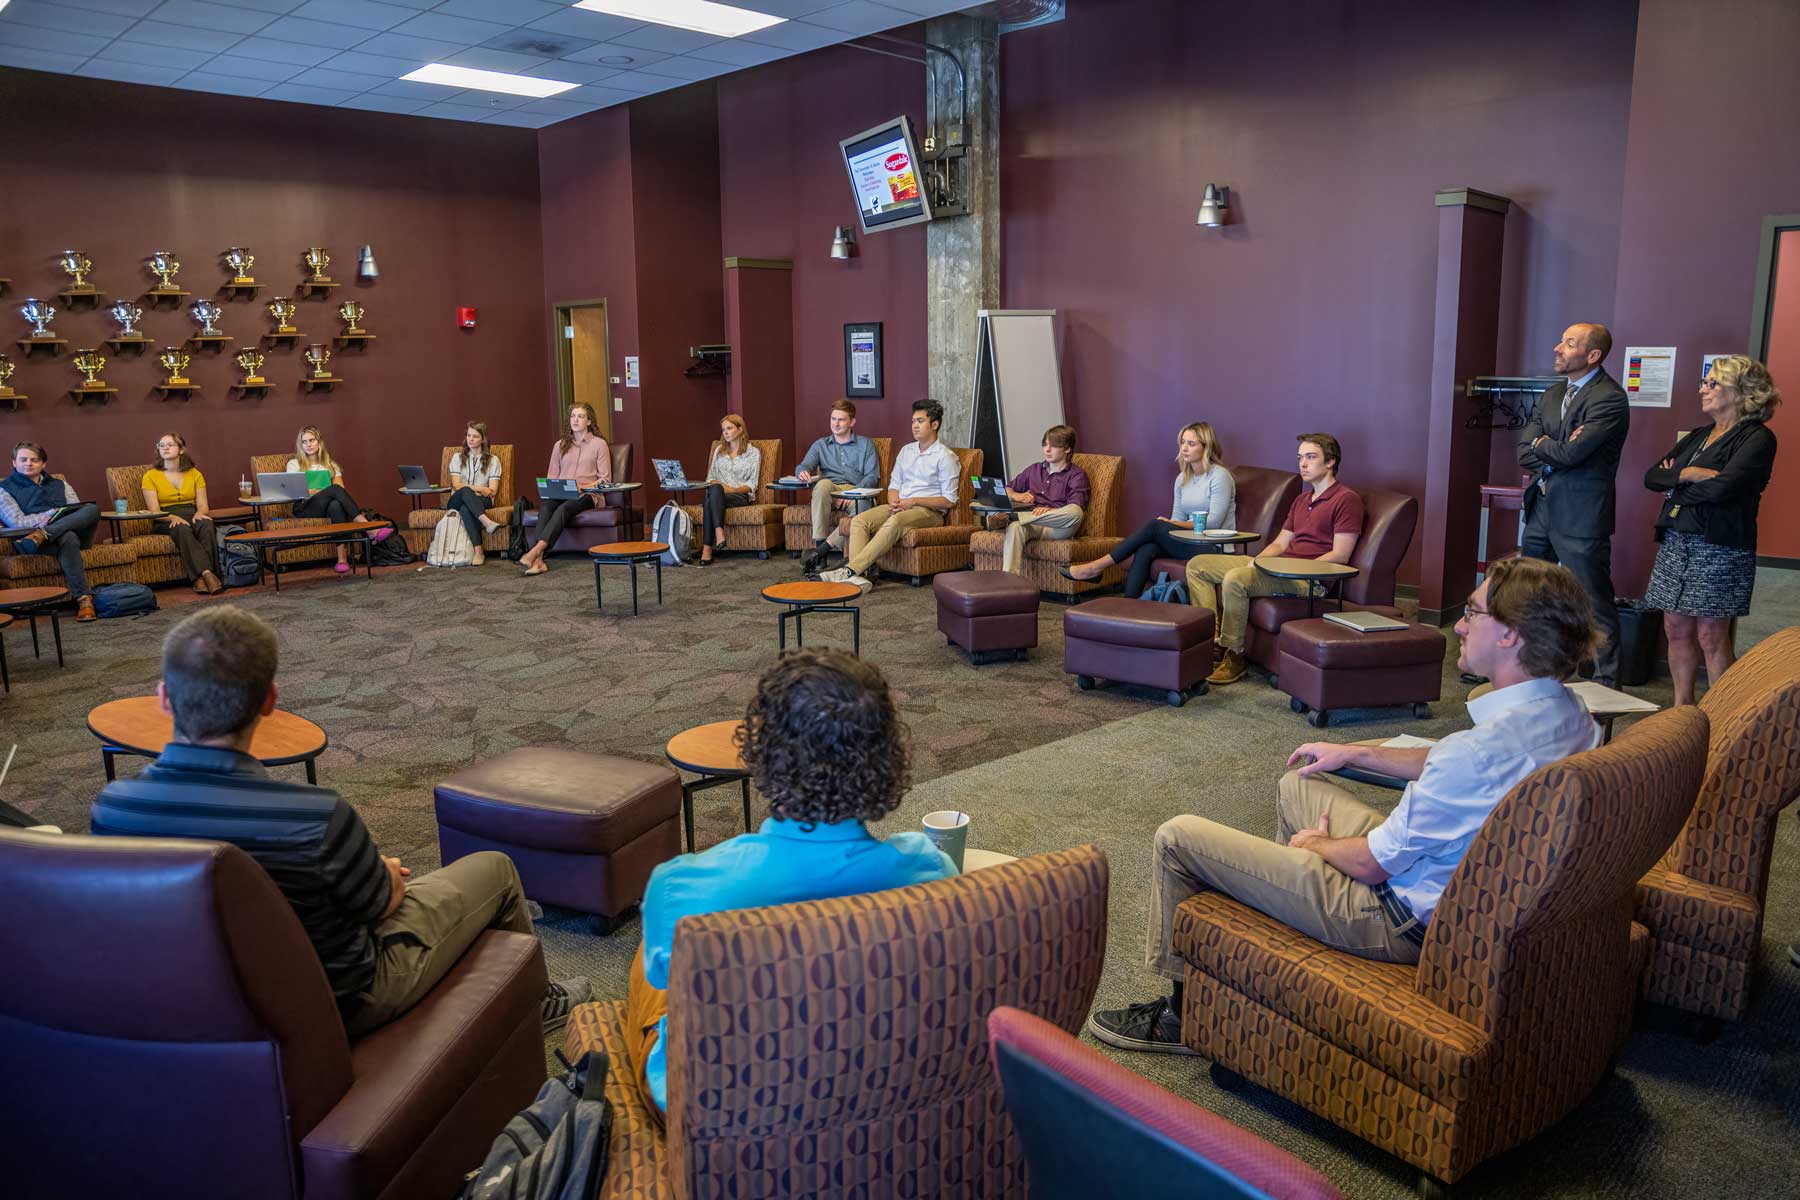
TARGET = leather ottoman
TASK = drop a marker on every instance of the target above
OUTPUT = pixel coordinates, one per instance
(988, 613)
(585, 830)
(1323, 666)
(1167, 646)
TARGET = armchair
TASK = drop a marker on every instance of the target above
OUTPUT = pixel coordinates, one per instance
(923, 552)
(617, 520)
(157, 561)
(1263, 499)
(1099, 533)
(421, 523)
(281, 516)
(103, 562)
(757, 525)
(796, 519)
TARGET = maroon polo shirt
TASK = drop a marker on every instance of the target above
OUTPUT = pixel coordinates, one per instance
(1313, 520)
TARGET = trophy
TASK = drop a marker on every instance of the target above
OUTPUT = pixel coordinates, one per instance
(317, 355)
(207, 313)
(6, 373)
(40, 314)
(127, 315)
(316, 258)
(174, 360)
(77, 265)
(283, 310)
(89, 362)
(164, 265)
(351, 312)
(239, 260)
(251, 361)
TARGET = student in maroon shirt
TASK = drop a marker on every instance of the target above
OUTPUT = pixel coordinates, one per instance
(1324, 523)
(1056, 489)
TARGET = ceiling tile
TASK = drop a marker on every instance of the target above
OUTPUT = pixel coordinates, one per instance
(123, 8)
(523, 120)
(540, 43)
(581, 22)
(405, 45)
(603, 95)
(273, 7)
(229, 85)
(495, 60)
(349, 81)
(740, 53)
(688, 69)
(860, 16)
(408, 89)
(363, 14)
(790, 8)
(125, 72)
(463, 112)
(201, 15)
(274, 50)
(925, 8)
(316, 33)
(605, 50)
(558, 107)
(572, 72)
(492, 101)
(664, 38)
(452, 29)
(373, 64)
(41, 15)
(39, 60)
(238, 67)
(307, 95)
(504, 12)
(415, 5)
(157, 33)
(795, 35)
(154, 56)
(24, 37)
(387, 104)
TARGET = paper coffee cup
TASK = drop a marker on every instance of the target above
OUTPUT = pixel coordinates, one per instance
(949, 831)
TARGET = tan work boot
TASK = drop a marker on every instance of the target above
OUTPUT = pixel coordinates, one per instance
(1231, 668)
(84, 609)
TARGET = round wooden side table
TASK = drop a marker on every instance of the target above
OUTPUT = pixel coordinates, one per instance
(631, 554)
(138, 725)
(709, 751)
(799, 599)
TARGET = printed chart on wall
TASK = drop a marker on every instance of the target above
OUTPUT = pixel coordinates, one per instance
(1650, 375)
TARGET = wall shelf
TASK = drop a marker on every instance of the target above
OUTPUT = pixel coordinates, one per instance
(353, 341)
(177, 391)
(137, 343)
(51, 345)
(156, 296)
(13, 401)
(235, 290)
(85, 296)
(5, 285)
(99, 395)
(286, 340)
(319, 383)
(314, 287)
(247, 391)
(209, 341)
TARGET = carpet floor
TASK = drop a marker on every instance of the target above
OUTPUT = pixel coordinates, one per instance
(420, 672)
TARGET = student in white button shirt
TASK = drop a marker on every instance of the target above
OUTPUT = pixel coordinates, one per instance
(921, 490)
(1340, 872)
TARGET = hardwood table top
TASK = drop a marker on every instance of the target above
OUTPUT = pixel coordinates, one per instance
(140, 725)
(1238, 537)
(628, 550)
(1304, 568)
(810, 593)
(5, 620)
(306, 532)
(707, 749)
(31, 597)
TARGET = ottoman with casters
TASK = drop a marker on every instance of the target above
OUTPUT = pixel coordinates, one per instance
(1323, 666)
(585, 830)
(1146, 642)
(991, 614)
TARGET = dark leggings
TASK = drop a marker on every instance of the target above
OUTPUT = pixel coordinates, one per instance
(554, 514)
(468, 506)
(66, 537)
(713, 510)
(1151, 542)
(333, 503)
(193, 541)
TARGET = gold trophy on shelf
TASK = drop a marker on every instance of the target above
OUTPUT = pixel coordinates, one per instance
(163, 265)
(7, 368)
(77, 265)
(239, 260)
(316, 258)
(174, 360)
(351, 312)
(89, 362)
(317, 356)
(283, 310)
(251, 361)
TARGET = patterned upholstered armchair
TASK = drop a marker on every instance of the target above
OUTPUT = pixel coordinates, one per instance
(1099, 533)
(839, 1047)
(104, 562)
(421, 523)
(1524, 990)
(1703, 903)
(281, 516)
(796, 519)
(924, 552)
(757, 525)
(157, 561)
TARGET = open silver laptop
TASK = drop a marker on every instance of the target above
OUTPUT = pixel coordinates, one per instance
(413, 479)
(281, 485)
(670, 475)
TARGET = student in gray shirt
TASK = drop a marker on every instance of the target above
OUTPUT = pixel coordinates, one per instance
(842, 459)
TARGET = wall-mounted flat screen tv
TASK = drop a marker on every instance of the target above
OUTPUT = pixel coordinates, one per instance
(886, 175)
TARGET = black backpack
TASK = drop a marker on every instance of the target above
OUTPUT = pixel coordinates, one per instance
(515, 538)
(556, 1148)
(390, 551)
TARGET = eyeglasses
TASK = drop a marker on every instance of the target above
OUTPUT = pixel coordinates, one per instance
(1470, 612)
(1710, 383)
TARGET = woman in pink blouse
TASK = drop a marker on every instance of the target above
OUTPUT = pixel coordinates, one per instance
(581, 455)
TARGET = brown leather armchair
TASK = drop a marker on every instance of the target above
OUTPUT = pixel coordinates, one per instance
(421, 523)
(924, 552)
(617, 520)
(1044, 559)
(796, 519)
(1263, 499)
(167, 1030)
(755, 526)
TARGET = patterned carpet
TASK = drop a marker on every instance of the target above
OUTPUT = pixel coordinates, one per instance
(420, 672)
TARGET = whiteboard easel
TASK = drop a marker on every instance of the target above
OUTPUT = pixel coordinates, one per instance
(1018, 388)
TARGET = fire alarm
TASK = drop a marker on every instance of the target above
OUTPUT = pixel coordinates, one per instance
(465, 318)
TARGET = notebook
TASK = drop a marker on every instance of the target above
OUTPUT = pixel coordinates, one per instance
(1364, 622)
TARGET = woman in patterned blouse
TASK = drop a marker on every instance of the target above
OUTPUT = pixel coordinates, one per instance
(731, 480)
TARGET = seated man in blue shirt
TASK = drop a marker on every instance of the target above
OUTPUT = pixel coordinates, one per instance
(826, 747)
(1339, 871)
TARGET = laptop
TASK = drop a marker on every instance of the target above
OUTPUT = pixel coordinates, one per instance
(558, 489)
(671, 476)
(991, 491)
(1364, 622)
(281, 485)
(413, 479)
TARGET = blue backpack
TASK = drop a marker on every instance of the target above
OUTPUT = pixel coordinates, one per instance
(1166, 590)
(237, 562)
(124, 600)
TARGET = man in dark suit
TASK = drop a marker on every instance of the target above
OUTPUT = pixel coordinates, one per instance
(1572, 444)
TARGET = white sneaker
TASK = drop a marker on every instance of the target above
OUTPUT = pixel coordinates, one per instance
(839, 575)
(488, 523)
(860, 582)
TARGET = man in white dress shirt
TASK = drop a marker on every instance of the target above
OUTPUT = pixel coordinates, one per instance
(1338, 870)
(921, 490)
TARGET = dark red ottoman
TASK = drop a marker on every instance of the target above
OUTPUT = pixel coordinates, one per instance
(585, 830)
(1323, 666)
(988, 613)
(1167, 646)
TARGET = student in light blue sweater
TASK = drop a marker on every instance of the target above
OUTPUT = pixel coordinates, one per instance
(1205, 498)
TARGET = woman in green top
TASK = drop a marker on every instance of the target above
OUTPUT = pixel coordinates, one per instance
(325, 485)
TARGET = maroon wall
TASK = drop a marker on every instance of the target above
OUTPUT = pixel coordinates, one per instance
(1711, 154)
(784, 189)
(1334, 123)
(120, 170)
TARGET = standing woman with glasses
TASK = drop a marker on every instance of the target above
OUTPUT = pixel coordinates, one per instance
(175, 487)
(475, 476)
(326, 496)
(1712, 484)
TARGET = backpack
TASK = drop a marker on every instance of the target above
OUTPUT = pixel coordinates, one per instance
(450, 545)
(124, 600)
(674, 529)
(556, 1148)
(237, 563)
(390, 551)
(1166, 590)
(515, 537)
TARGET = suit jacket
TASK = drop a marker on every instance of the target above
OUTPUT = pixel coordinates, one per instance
(1574, 489)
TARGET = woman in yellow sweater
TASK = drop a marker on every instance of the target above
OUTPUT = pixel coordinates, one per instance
(175, 488)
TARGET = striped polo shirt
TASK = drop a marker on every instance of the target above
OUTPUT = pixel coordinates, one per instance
(310, 841)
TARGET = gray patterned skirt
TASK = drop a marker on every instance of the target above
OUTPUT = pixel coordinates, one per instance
(1695, 578)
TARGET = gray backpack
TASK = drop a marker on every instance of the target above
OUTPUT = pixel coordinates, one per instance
(674, 529)
(237, 562)
(555, 1149)
(450, 544)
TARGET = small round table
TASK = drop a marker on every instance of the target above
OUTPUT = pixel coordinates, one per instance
(1310, 569)
(139, 726)
(418, 494)
(118, 518)
(798, 599)
(630, 554)
(1236, 537)
(5, 680)
(709, 751)
(860, 498)
(31, 603)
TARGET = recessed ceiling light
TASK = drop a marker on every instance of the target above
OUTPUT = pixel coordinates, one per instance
(702, 16)
(487, 81)
(617, 60)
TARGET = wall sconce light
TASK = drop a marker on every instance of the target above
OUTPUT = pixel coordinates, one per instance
(842, 244)
(1214, 204)
(365, 263)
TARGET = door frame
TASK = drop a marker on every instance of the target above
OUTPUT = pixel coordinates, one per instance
(562, 355)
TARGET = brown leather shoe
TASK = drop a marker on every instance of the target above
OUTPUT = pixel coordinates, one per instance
(1231, 668)
(84, 609)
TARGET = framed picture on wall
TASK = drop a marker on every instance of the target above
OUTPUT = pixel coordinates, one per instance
(862, 360)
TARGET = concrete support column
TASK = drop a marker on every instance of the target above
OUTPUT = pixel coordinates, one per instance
(962, 254)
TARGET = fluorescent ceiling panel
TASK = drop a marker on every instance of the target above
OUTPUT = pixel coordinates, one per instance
(701, 16)
(487, 81)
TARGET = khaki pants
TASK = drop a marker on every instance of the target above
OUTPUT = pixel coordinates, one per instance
(442, 915)
(873, 533)
(1056, 525)
(1237, 582)
(1296, 887)
(825, 509)
(644, 1007)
